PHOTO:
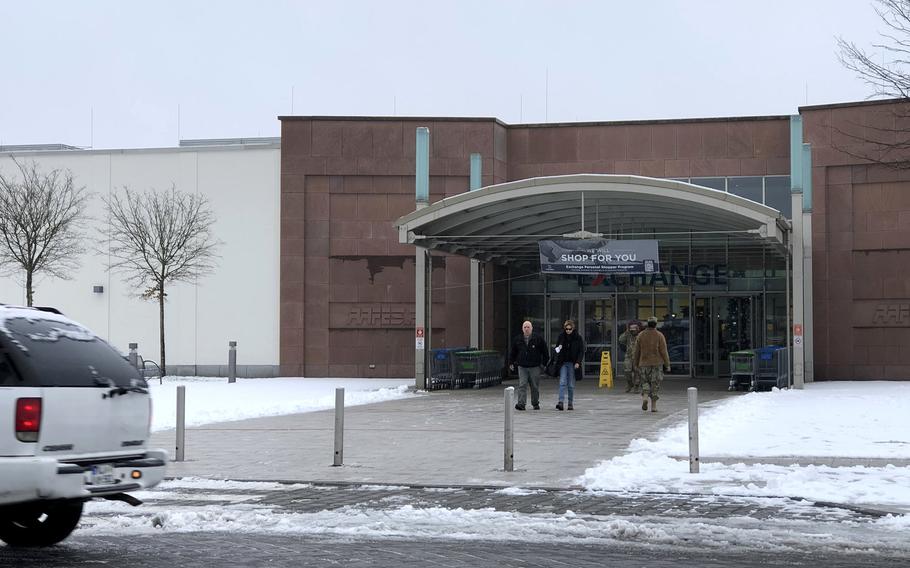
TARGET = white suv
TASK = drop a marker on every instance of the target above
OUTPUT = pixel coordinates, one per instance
(74, 425)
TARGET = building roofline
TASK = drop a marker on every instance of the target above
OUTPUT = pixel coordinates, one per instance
(166, 149)
(185, 145)
(530, 125)
(394, 118)
(876, 102)
(38, 147)
(655, 121)
(247, 141)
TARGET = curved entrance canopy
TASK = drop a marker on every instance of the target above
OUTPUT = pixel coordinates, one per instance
(502, 223)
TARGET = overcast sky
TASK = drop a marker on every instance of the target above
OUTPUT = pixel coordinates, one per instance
(113, 74)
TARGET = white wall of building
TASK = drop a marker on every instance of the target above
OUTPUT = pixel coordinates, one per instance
(238, 302)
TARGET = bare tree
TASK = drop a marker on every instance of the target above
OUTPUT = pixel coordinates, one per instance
(159, 237)
(40, 214)
(885, 140)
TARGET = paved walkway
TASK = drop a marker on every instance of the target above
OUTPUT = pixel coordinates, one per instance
(240, 550)
(443, 437)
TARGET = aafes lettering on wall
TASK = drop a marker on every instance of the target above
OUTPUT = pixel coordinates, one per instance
(881, 313)
(371, 315)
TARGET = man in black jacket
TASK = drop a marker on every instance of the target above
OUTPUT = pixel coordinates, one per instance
(529, 352)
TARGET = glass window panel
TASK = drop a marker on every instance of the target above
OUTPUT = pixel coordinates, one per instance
(673, 321)
(746, 280)
(717, 183)
(709, 268)
(776, 319)
(562, 283)
(560, 311)
(777, 194)
(527, 286)
(527, 308)
(748, 187)
(598, 332)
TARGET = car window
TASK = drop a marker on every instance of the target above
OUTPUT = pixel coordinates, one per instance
(47, 353)
(8, 374)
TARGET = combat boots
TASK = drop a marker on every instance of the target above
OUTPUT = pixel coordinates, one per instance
(653, 405)
(644, 403)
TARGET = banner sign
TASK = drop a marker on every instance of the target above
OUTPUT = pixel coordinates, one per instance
(598, 256)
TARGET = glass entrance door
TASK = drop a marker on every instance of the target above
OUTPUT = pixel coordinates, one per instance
(735, 321)
(629, 307)
(723, 325)
(704, 338)
(597, 333)
(595, 322)
(560, 311)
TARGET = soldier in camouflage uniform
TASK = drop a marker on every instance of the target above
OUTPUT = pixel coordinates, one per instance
(650, 358)
(627, 342)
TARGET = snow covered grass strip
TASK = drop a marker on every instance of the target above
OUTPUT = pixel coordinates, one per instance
(211, 400)
(825, 419)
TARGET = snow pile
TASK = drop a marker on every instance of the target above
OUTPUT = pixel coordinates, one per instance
(210, 400)
(847, 419)
(832, 419)
(164, 513)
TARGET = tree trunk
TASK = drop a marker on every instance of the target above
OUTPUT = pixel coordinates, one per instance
(29, 294)
(161, 327)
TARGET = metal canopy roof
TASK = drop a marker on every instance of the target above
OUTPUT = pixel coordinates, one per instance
(502, 223)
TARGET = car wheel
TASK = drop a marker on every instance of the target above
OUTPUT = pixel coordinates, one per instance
(39, 525)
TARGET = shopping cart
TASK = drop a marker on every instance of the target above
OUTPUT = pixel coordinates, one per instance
(442, 367)
(772, 368)
(742, 370)
(477, 369)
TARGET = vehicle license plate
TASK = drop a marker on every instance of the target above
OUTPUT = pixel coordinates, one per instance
(102, 475)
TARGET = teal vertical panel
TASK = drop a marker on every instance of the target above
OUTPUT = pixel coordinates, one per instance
(476, 170)
(796, 153)
(422, 181)
(807, 177)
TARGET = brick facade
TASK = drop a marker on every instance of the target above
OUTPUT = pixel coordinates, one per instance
(861, 242)
(347, 285)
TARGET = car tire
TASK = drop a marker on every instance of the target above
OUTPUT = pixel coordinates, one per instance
(42, 524)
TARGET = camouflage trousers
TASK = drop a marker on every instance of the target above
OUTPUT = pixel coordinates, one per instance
(650, 381)
(633, 379)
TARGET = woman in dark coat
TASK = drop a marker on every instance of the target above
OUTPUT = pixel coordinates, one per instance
(569, 354)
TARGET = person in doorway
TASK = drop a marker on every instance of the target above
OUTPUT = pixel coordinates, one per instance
(650, 359)
(529, 353)
(627, 343)
(569, 355)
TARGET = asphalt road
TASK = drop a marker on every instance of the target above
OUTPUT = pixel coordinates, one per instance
(229, 550)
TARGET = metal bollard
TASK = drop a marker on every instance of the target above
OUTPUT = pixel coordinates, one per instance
(134, 355)
(181, 423)
(508, 442)
(339, 427)
(693, 429)
(232, 361)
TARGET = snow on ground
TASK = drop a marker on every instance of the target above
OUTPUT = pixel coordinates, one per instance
(832, 419)
(163, 513)
(842, 419)
(210, 400)
(851, 420)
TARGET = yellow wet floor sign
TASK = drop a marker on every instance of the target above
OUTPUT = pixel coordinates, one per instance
(606, 370)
